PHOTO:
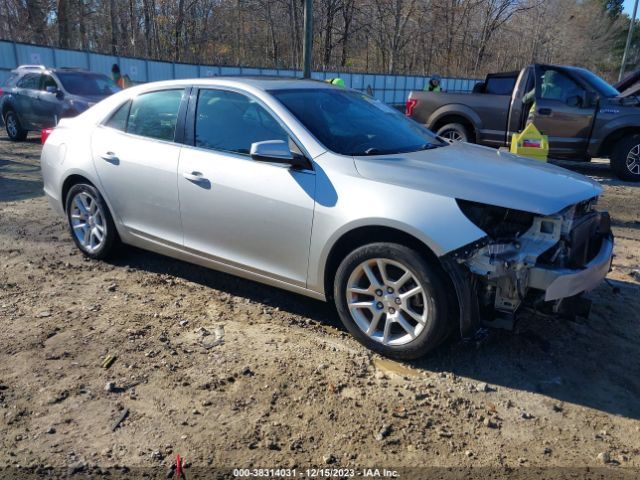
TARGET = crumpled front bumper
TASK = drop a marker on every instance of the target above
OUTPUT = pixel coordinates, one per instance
(560, 283)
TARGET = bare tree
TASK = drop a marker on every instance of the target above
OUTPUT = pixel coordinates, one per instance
(450, 37)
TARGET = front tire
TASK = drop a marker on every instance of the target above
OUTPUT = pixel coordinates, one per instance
(90, 221)
(454, 132)
(625, 158)
(392, 300)
(14, 127)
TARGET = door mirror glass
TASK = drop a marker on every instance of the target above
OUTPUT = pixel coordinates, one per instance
(271, 151)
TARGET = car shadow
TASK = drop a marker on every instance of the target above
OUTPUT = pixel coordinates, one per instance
(598, 168)
(589, 362)
(14, 189)
(256, 292)
(19, 181)
(32, 139)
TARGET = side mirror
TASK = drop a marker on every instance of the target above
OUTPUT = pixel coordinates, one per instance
(276, 151)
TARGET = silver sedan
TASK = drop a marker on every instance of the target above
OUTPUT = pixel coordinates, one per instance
(329, 193)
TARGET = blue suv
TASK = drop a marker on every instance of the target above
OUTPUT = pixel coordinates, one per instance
(35, 97)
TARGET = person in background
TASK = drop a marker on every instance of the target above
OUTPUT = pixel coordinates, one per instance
(550, 89)
(336, 81)
(116, 76)
(434, 84)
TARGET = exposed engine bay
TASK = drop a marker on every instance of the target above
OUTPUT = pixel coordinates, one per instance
(529, 259)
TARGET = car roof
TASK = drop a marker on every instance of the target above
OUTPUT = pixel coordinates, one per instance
(264, 83)
(24, 69)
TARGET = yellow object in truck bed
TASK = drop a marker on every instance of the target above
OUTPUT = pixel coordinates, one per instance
(530, 143)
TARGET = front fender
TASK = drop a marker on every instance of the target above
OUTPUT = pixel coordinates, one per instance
(434, 220)
(605, 130)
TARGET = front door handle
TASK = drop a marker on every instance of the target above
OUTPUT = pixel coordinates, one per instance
(544, 111)
(111, 158)
(195, 177)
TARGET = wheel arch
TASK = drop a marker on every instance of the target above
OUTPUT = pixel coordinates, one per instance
(608, 144)
(69, 182)
(6, 106)
(367, 234)
(462, 115)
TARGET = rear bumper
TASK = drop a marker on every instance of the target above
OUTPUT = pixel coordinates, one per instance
(565, 282)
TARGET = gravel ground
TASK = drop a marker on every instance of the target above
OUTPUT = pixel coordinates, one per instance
(232, 374)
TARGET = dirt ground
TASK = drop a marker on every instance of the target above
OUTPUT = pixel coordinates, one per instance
(232, 374)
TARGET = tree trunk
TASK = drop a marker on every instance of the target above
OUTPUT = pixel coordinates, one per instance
(114, 27)
(63, 23)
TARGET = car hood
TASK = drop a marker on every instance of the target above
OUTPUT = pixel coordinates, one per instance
(482, 174)
(88, 99)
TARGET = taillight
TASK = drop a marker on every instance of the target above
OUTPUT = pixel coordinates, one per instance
(1, 91)
(411, 104)
(45, 134)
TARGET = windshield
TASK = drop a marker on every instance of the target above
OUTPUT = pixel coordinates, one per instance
(88, 84)
(351, 123)
(602, 87)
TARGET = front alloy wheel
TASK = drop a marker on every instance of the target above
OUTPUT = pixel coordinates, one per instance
(454, 132)
(392, 300)
(625, 158)
(633, 160)
(89, 221)
(387, 301)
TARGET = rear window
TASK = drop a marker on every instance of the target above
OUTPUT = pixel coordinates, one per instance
(87, 84)
(11, 81)
(30, 81)
(500, 85)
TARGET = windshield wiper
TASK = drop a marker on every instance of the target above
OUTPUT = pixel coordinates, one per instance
(372, 151)
(431, 146)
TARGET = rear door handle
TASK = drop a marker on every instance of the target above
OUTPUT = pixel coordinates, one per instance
(111, 158)
(545, 111)
(195, 177)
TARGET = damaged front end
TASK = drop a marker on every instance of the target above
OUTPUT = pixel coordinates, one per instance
(526, 259)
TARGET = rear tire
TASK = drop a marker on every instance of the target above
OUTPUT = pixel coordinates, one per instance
(454, 132)
(625, 158)
(14, 127)
(392, 300)
(90, 222)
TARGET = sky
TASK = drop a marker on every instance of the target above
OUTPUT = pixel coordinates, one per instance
(628, 6)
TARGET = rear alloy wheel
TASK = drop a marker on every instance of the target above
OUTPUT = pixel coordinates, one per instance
(454, 132)
(89, 221)
(625, 158)
(391, 300)
(13, 127)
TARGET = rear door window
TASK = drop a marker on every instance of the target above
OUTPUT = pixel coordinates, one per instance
(231, 122)
(500, 85)
(30, 81)
(119, 119)
(155, 114)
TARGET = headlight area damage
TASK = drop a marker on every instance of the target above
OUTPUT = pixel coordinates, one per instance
(529, 260)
